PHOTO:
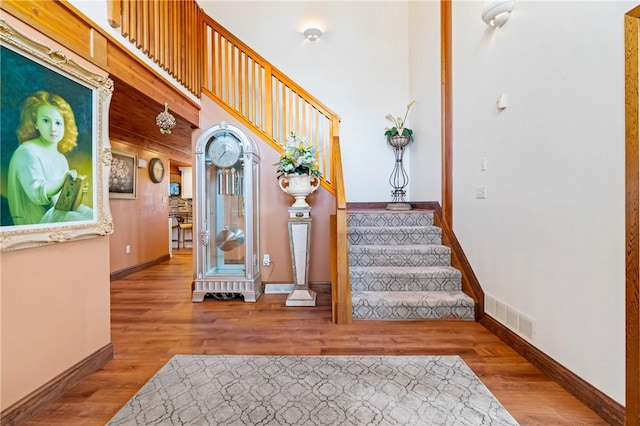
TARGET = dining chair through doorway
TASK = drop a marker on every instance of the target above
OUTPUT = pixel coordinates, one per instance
(184, 227)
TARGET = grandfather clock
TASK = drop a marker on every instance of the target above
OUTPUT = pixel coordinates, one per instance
(226, 215)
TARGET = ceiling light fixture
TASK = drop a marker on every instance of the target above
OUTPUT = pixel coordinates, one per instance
(497, 12)
(165, 120)
(312, 34)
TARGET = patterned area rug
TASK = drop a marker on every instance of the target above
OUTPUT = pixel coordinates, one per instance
(313, 390)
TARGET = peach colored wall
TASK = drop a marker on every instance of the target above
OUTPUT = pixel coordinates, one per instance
(274, 237)
(54, 300)
(55, 312)
(143, 223)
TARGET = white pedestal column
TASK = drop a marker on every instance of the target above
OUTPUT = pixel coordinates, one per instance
(299, 242)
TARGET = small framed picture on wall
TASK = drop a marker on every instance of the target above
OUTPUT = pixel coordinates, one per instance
(123, 176)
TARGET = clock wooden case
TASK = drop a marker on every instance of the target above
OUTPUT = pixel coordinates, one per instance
(156, 170)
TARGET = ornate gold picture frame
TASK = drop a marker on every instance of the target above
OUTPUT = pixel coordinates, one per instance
(49, 101)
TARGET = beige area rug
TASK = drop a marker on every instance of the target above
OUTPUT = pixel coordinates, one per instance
(313, 390)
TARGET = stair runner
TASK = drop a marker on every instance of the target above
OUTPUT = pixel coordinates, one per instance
(400, 270)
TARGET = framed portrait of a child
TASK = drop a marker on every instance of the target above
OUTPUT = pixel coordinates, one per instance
(54, 148)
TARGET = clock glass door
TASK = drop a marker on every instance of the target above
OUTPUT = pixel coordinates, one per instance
(225, 214)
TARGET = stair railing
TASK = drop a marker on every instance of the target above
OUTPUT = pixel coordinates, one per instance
(258, 94)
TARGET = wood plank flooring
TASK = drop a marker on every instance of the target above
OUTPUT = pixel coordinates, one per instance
(153, 319)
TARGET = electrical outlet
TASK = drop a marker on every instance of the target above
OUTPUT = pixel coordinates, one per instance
(481, 192)
(127, 249)
(266, 260)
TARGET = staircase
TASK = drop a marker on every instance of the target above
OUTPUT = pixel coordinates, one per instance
(400, 270)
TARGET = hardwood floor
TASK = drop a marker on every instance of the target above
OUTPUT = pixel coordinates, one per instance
(153, 319)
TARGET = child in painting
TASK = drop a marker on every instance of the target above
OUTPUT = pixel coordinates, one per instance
(38, 167)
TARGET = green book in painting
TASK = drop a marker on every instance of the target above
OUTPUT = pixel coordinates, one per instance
(71, 193)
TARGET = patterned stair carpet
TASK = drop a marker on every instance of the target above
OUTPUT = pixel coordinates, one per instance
(313, 390)
(400, 270)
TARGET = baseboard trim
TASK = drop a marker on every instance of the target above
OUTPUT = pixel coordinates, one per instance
(470, 283)
(139, 267)
(376, 205)
(286, 288)
(25, 408)
(611, 411)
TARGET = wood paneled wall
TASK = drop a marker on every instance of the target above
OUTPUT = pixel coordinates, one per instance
(63, 25)
(632, 186)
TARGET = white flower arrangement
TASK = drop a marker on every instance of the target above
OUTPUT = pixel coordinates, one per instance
(398, 128)
(298, 157)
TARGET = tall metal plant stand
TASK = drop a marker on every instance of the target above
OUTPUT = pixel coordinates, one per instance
(399, 178)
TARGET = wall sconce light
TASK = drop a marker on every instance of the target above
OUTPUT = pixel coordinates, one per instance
(497, 12)
(312, 34)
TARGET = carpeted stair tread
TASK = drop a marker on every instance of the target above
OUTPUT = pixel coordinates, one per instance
(404, 305)
(401, 248)
(390, 219)
(441, 269)
(399, 255)
(405, 278)
(401, 235)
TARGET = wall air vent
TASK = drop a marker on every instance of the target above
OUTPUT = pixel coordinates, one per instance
(509, 317)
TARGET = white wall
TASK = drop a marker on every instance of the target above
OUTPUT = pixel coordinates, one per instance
(549, 239)
(425, 181)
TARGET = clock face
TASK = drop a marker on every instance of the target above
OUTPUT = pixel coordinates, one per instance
(225, 151)
(156, 170)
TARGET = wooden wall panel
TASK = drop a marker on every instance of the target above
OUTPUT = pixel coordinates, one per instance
(62, 25)
(175, 155)
(146, 81)
(632, 186)
(447, 111)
